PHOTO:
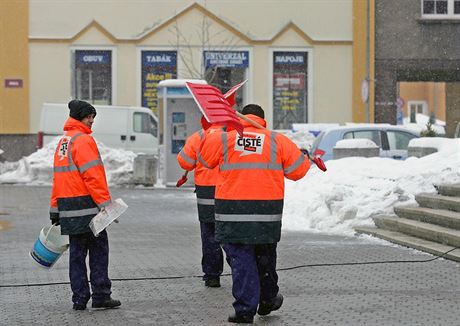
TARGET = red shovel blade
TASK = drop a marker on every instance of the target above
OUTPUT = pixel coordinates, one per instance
(214, 106)
(319, 163)
(181, 181)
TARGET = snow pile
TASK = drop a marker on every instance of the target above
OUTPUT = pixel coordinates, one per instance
(302, 138)
(441, 144)
(355, 189)
(37, 168)
(421, 124)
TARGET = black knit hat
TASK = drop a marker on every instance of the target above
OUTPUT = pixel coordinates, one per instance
(80, 109)
(253, 109)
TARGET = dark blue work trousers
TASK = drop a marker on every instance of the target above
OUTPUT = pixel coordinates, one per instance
(98, 249)
(253, 274)
(212, 261)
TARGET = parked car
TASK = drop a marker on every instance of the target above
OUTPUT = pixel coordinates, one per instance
(393, 141)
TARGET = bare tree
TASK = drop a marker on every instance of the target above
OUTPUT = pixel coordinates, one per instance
(186, 51)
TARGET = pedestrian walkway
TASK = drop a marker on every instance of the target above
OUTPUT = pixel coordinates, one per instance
(158, 237)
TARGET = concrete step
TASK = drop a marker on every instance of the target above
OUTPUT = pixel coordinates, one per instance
(438, 201)
(442, 217)
(419, 229)
(412, 242)
(449, 190)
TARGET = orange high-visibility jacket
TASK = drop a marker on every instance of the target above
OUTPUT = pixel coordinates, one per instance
(189, 159)
(250, 192)
(79, 185)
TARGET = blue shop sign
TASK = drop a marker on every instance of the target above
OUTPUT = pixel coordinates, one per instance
(159, 58)
(93, 57)
(289, 58)
(226, 59)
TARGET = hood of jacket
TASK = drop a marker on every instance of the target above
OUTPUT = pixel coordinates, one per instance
(255, 118)
(74, 124)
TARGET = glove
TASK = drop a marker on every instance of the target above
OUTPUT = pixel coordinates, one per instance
(55, 221)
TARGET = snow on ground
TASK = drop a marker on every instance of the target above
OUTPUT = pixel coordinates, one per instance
(347, 195)
(354, 189)
(37, 168)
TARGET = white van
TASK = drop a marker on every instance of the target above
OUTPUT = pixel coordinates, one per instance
(129, 128)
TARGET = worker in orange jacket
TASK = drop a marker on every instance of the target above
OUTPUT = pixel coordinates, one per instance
(79, 192)
(205, 183)
(249, 205)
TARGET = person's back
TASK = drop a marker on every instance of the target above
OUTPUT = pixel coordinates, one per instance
(249, 205)
(251, 187)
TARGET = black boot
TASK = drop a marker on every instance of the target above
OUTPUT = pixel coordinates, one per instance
(78, 306)
(109, 303)
(212, 283)
(240, 319)
(266, 307)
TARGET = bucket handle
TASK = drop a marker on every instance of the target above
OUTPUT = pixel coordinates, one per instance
(47, 233)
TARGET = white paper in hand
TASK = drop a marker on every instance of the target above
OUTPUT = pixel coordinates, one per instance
(106, 216)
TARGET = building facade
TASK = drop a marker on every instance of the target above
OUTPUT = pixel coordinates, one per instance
(296, 56)
(417, 41)
(14, 67)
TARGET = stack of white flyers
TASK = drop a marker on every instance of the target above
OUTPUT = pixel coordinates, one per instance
(106, 216)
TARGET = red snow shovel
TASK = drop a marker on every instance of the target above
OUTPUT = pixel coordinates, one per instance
(182, 180)
(215, 108)
(230, 97)
(316, 159)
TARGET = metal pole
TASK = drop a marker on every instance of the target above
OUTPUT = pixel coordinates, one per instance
(367, 60)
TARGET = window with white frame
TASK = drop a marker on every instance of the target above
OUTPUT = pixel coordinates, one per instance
(441, 9)
(416, 107)
(92, 76)
(290, 88)
(225, 69)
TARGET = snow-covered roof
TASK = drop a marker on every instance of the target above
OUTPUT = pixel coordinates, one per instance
(179, 82)
(355, 143)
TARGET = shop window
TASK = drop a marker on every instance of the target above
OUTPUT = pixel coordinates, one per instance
(224, 69)
(441, 9)
(290, 89)
(156, 66)
(93, 76)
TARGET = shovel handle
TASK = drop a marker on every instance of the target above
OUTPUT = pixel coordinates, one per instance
(318, 161)
(245, 118)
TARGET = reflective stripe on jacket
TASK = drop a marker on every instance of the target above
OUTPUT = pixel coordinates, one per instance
(250, 192)
(79, 182)
(189, 158)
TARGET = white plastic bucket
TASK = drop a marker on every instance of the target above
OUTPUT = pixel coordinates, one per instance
(49, 246)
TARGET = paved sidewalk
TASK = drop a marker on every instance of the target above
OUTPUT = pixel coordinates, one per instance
(159, 236)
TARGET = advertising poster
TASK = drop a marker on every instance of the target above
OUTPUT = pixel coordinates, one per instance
(156, 66)
(289, 89)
